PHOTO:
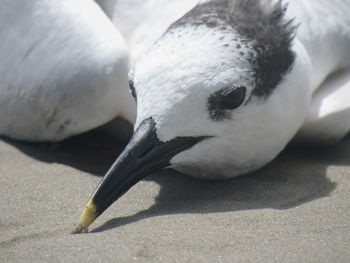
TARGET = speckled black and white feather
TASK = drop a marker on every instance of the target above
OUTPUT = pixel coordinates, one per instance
(260, 25)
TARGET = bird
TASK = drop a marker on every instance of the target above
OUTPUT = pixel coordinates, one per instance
(64, 70)
(228, 85)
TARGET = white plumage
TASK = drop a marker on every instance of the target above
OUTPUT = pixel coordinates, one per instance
(63, 69)
(142, 22)
(325, 32)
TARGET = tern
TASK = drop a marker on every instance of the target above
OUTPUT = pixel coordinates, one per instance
(228, 86)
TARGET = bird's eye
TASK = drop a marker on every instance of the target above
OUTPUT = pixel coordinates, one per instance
(132, 88)
(224, 100)
(231, 98)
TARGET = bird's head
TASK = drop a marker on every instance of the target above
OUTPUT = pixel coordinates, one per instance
(219, 95)
(238, 80)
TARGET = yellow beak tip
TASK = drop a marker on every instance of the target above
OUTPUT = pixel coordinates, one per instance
(86, 219)
(79, 229)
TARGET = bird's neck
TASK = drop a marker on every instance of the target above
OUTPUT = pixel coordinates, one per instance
(288, 105)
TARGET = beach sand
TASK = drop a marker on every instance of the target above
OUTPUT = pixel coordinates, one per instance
(297, 209)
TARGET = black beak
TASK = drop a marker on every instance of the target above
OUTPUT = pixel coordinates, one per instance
(144, 154)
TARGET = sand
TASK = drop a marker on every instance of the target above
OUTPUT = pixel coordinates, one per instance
(297, 209)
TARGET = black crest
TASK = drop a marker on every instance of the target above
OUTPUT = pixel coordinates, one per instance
(261, 26)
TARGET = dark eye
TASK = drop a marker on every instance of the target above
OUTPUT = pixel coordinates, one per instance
(230, 98)
(132, 88)
(225, 99)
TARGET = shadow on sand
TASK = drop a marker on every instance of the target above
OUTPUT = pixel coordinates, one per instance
(91, 152)
(296, 177)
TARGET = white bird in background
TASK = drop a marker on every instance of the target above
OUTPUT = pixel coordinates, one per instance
(142, 22)
(228, 85)
(63, 69)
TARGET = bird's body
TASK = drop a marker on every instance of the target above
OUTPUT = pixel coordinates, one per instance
(63, 69)
(325, 33)
(229, 85)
